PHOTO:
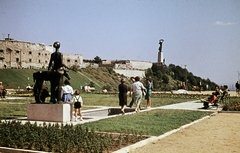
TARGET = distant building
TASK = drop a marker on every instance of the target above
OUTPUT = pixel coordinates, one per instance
(73, 59)
(19, 54)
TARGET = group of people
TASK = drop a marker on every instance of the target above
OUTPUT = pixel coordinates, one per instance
(71, 97)
(213, 99)
(137, 91)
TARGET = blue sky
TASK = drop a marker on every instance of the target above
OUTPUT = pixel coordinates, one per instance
(202, 34)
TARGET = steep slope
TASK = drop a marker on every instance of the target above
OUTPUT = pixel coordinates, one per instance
(99, 78)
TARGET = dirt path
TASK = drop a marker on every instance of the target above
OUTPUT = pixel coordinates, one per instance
(217, 134)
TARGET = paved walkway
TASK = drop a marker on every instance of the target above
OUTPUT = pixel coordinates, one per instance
(193, 105)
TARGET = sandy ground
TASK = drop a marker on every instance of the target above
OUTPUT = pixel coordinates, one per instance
(217, 134)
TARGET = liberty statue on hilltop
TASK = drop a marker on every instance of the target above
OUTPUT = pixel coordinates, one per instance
(161, 60)
(160, 43)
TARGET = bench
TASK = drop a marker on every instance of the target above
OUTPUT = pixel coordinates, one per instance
(224, 99)
(221, 100)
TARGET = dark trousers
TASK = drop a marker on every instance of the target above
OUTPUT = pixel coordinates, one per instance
(205, 104)
(131, 103)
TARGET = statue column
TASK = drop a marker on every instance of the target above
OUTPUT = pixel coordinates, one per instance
(160, 53)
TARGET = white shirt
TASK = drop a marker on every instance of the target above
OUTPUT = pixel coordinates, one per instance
(137, 86)
(67, 89)
(78, 98)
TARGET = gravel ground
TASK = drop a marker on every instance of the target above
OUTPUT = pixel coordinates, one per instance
(217, 134)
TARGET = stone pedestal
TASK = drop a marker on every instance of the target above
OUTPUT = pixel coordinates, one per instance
(49, 112)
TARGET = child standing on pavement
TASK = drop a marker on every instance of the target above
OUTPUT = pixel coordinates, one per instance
(78, 102)
(67, 92)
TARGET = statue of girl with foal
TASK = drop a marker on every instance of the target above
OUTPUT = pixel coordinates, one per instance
(54, 74)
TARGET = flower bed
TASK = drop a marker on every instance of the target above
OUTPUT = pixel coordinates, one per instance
(235, 106)
(232, 104)
(60, 138)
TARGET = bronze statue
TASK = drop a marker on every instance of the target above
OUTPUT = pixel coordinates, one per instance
(40, 90)
(160, 43)
(56, 57)
(58, 70)
(54, 74)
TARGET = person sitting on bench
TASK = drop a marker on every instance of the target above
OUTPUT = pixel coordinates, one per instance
(210, 99)
(218, 93)
(225, 92)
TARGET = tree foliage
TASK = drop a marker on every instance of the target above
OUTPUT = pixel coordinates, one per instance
(172, 77)
(97, 60)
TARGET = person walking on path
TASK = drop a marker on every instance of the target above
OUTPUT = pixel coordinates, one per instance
(78, 103)
(137, 88)
(148, 92)
(131, 95)
(123, 89)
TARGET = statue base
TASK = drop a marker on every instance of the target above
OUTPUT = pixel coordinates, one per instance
(49, 112)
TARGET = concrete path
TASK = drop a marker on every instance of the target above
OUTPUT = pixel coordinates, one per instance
(193, 105)
(102, 112)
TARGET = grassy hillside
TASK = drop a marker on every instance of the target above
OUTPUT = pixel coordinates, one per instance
(99, 78)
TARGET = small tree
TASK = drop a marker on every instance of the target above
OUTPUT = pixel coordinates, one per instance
(108, 87)
(97, 60)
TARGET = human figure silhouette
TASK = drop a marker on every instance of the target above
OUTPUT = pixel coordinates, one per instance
(56, 67)
(160, 43)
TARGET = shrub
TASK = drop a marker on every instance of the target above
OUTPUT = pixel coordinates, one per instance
(58, 138)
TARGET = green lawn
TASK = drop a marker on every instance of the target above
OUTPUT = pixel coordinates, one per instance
(13, 108)
(155, 122)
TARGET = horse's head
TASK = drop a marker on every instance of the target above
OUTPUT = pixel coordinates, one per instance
(37, 75)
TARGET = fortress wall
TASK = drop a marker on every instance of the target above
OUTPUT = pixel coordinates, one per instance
(131, 73)
(141, 65)
(72, 59)
(49, 48)
(133, 65)
(107, 62)
(17, 54)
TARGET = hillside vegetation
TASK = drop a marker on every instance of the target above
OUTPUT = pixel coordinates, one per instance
(99, 78)
(165, 78)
